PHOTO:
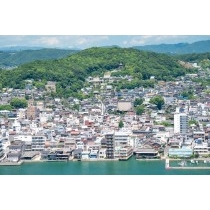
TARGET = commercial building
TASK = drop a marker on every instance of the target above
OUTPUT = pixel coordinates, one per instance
(145, 153)
(180, 152)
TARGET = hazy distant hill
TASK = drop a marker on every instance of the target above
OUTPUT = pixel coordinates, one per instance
(19, 48)
(14, 57)
(181, 48)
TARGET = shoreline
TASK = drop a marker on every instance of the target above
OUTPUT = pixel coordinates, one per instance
(102, 160)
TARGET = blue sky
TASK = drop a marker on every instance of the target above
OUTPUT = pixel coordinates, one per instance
(86, 41)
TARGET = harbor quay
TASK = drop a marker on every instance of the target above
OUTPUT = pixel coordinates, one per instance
(191, 164)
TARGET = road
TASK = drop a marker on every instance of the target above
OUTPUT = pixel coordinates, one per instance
(103, 108)
(166, 151)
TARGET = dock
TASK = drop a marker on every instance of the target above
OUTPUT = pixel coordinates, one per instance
(167, 166)
(125, 158)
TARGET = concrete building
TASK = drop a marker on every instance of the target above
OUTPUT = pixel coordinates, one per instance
(38, 143)
(180, 152)
(32, 113)
(1, 148)
(24, 138)
(51, 86)
(124, 106)
(110, 144)
(180, 123)
(201, 149)
(102, 153)
(85, 155)
(121, 138)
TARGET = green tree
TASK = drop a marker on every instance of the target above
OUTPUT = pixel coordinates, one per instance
(40, 84)
(76, 107)
(138, 101)
(158, 101)
(140, 110)
(190, 122)
(165, 123)
(121, 124)
(187, 94)
(5, 107)
(18, 103)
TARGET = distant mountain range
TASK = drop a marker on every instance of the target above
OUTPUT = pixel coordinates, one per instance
(180, 48)
(13, 56)
(19, 48)
(10, 57)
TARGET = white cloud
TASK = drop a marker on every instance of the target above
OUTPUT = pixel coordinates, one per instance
(157, 39)
(48, 41)
(86, 41)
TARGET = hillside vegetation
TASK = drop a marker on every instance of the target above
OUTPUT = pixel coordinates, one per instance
(202, 59)
(70, 72)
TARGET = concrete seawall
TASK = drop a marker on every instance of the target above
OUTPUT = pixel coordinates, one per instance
(11, 163)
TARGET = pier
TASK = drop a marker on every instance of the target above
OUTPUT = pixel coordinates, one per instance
(167, 166)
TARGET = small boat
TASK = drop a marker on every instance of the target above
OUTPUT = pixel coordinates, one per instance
(192, 161)
(182, 163)
(196, 161)
(205, 161)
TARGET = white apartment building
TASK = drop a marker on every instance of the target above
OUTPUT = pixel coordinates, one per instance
(121, 138)
(38, 143)
(202, 149)
(180, 123)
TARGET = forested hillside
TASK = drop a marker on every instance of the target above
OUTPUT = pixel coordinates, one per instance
(70, 72)
(202, 59)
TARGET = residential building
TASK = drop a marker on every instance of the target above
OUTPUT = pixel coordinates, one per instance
(180, 123)
(110, 144)
(201, 149)
(121, 138)
(38, 143)
(102, 153)
(32, 113)
(1, 148)
(124, 106)
(51, 86)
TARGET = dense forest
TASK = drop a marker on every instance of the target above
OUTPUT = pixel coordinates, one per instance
(70, 72)
(16, 58)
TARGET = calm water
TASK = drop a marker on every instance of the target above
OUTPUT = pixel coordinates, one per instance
(130, 167)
